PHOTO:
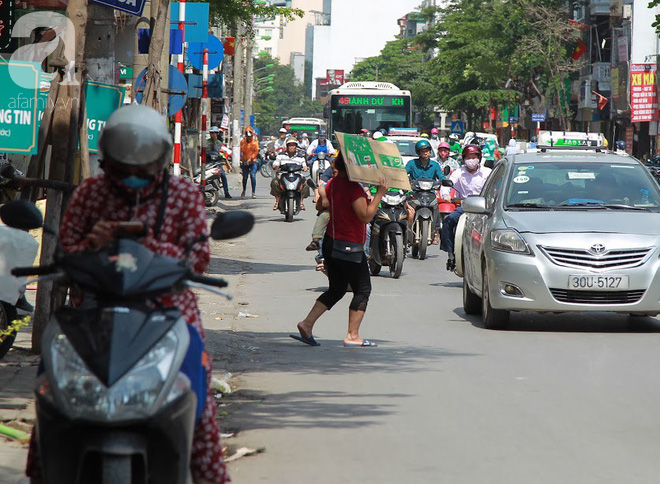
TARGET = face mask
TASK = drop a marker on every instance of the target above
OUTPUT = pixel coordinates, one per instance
(472, 164)
(136, 182)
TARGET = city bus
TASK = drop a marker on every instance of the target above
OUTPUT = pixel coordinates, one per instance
(372, 105)
(311, 126)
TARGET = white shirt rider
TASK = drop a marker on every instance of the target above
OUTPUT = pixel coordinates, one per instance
(286, 158)
(315, 143)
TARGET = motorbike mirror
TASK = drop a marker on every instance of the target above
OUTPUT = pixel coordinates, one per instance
(447, 183)
(311, 184)
(21, 214)
(446, 170)
(230, 225)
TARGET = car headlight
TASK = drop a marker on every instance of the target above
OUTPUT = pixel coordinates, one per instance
(508, 240)
(135, 395)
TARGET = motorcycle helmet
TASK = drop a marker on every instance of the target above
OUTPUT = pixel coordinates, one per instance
(421, 145)
(135, 135)
(424, 135)
(453, 137)
(214, 129)
(621, 145)
(434, 131)
(377, 135)
(291, 141)
(283, 130)
(470, 150)
(444, 144)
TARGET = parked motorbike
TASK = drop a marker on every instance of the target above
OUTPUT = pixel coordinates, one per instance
(18, 248)
(118, 397)
(387, 245)
(213, 179)
(266, 165)
(291, 182)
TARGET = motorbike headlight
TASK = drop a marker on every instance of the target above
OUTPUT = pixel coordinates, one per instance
(136, 395)
(394, 199)
(290, 185)
(508, 240)
(425, 185)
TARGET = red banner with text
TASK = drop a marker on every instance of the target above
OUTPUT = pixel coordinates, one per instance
(643, 93)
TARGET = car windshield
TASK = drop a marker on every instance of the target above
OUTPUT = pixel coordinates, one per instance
(571, 184)
(407, 147)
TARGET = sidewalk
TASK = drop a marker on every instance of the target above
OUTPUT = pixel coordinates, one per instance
(18, 368)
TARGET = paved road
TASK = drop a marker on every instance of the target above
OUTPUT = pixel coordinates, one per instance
(557, 399)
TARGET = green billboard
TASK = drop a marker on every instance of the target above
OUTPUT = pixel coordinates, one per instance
(101, 101)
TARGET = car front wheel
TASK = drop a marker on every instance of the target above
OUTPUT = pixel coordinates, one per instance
(492, 318)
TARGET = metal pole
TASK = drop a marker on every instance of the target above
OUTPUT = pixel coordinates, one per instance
(249, 80)
(205, 95)
(179, 114)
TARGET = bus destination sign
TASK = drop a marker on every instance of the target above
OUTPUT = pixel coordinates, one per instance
(374, 101)
(300, 127)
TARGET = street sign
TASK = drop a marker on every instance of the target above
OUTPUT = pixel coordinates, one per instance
(101, 100)
(456, 127)
(195, 52)
(134, 7)
(177, 86)
(197, 20)
(125, 72)
(538, 117)
(21, 108)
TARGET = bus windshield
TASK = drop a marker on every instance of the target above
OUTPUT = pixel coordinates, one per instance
(351, 113)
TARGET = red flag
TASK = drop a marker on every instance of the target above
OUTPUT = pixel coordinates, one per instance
(229, 45)
(602, 100)
(579, 50)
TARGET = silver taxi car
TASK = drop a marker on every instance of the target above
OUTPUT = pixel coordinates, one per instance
(562, 230)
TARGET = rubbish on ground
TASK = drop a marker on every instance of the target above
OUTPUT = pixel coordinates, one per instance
(14, 434)
(219, 319)
(227, 436)
(243, 451)
(220, 385)
(245, 314)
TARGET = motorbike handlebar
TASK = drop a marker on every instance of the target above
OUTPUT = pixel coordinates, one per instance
(209, 281)
(33, 271)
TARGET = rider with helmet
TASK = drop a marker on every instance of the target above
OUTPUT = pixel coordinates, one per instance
(321, 144)
(435, 139)
(468, 180)
(445, 158)
(454, 144)
(422, 167)
(290, 156)
(280, 143)
(135, 148)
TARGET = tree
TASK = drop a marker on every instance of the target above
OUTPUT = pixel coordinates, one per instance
(285, 101)
(233, 12)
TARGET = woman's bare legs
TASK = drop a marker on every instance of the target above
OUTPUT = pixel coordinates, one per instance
(306, 325)
(354, 321)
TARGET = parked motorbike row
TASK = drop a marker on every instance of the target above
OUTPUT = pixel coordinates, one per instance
(122, 381)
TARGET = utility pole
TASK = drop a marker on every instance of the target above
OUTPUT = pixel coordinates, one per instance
(249, 79)
(237, 95)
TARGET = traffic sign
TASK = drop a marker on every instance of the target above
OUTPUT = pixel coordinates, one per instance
(101, 100)
(457, 127)
(21, 108)
(197, 20)
(513, 120)
(538, 117)
(177, 86)
(195, 52)
(134, 7)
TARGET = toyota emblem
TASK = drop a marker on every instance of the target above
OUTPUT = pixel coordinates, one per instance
(598, 249)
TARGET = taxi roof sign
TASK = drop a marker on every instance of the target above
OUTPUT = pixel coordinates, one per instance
(571, 140)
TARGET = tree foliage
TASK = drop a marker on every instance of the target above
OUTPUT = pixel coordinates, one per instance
(287, 99)
(233, 12)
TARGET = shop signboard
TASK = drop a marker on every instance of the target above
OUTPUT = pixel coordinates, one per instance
(101, 100)
(643, 93)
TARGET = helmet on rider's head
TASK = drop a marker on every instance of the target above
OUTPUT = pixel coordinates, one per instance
(283, 130)
(434, 131)
(291, 141)
(444, 144)
(471, 150)
(453, 137)
(322, 134)
(424, 135)
(377, 135)
(135, 135)
(364, 130)
(214, 129)
(620, 145)
(422, 144)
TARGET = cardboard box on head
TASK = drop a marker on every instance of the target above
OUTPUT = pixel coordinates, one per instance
(368, 160)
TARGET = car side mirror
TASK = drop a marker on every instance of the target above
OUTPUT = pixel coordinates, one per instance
(474, 205)
(230, 225)
(21, 214)
(447, 182)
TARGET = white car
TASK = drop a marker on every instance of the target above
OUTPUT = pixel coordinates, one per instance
(406, 145)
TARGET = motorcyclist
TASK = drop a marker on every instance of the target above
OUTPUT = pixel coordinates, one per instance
(422, 167)
(468, 180)
(281, 141)
(445, 158)
(321, 144)
(489, 149)
(454, 144)
(304, 141)
(135, 147)
(435, 139)
(215, 145)
(291, 155)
